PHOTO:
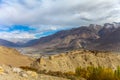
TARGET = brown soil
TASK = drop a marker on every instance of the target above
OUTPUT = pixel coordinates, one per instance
(12, 57)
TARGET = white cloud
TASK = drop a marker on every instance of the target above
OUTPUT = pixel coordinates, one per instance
(16, 34)
(56, 14)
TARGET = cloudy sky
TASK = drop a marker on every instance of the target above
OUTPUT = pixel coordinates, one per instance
(29, 19)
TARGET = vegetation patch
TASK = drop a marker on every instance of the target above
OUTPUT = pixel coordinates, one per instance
(89, 73)
(98, 73)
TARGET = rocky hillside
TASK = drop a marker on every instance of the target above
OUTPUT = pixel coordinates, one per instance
(69, 61)
(110, 41)
(12, 63)
(9, 56)
(74, 38)
(92, 37)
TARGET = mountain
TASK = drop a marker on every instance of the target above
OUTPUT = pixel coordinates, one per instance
(7, 43)
(67, 39)
(92, 37)
(110, 41)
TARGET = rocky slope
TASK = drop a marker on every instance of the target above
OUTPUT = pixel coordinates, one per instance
(74, 38)
(110, 41)
(11, 63)
(92, 37)
(69, 61)
(9, 56)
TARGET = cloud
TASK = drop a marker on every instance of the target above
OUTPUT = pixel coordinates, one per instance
(58, 12)
(24, 33)
(16, 34)
(49, 15)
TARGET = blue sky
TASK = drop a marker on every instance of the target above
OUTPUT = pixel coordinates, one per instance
(31, 19)
(21, 28)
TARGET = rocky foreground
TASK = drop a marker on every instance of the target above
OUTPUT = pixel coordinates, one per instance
(13, 73)
(11, 61)
(15, 66)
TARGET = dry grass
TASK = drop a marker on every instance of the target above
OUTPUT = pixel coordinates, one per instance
(9, 56)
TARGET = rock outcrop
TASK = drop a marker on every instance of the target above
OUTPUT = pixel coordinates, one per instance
(69, 61)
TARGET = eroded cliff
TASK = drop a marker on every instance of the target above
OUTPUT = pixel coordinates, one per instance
(69, 61)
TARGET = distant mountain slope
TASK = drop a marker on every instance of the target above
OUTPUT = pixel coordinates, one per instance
(111, 42)
(7, 43)
(74, 38)
(93, 37)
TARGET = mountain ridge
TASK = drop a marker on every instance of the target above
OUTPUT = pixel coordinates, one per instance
(92, 37)
(87, 37)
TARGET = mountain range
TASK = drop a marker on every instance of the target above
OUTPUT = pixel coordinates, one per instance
(8, 43)
(93, 37)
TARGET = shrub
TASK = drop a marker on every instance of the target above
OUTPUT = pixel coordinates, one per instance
(27, 68)
(98, 73)
(1, 70)
(89, 73)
